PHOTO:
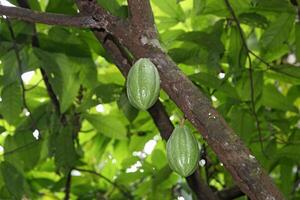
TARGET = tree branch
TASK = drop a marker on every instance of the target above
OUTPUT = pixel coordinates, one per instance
(68, 185)
(230, 193)
(139, 13)
(245, 46)
(122, 189)
(51, 18)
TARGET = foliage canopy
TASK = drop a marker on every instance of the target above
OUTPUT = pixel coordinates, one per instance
(248, 67)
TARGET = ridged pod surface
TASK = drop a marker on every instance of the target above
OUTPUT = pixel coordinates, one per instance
(143, 84)
(182, 151)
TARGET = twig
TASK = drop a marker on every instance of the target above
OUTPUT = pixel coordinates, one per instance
(50, 18)
(19, 64)
(20, 148)
(34, 86)
(125, 192)
(253, 107)
(68, 185)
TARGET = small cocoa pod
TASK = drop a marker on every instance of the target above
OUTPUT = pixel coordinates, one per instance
(182, 151)
(143, 84)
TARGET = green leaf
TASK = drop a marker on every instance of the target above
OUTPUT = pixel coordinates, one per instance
(108, 92)
(211, 42)
(274, 99)
(114, 7)
(284, 73)
(198, 6)
(11, 105)
(205, 79)
(109, 126)
(280, 6)
(254, 19)
(171, 8)
(244, 86)
(24, 150)
(243, 123)
(236, 51)
(129, 111)
(14, 180)
(278, 32)
(70, 82)
(65, 153)
(10, 68)
(63, 75)
(286, 174)
(59, 6)
(297, 38)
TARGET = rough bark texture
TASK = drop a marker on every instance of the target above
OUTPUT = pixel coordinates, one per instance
(50, 18)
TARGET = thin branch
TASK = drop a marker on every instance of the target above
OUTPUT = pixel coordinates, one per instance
(68, 185)
(34, 86)
(252, 93)
(19, 64)
(20, 148)
(50, 18)
(124, 191)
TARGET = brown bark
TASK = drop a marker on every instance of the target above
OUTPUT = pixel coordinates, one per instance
(51, 18)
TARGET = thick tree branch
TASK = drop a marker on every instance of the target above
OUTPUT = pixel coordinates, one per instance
(51, 18)
(197, 184)
(236, 157)
(139, 13)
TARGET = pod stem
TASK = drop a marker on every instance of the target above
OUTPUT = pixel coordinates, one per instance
(181, 123)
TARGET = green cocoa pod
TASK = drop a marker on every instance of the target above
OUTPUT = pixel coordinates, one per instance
(143, 84)
(182, 151)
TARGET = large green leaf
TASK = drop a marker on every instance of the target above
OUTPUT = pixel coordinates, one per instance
(236, 51)
(284, 73)
(11, 105)
(109, 126)
(274, 99)
(297, 37)
(22, 150)
(13, 179)
(108, 92)
(63, 75)
(171, 8)
(65, 154)
(278, 32)
(243, 123)
(205, 79)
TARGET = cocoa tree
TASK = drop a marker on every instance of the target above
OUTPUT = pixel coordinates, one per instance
(259, 89)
